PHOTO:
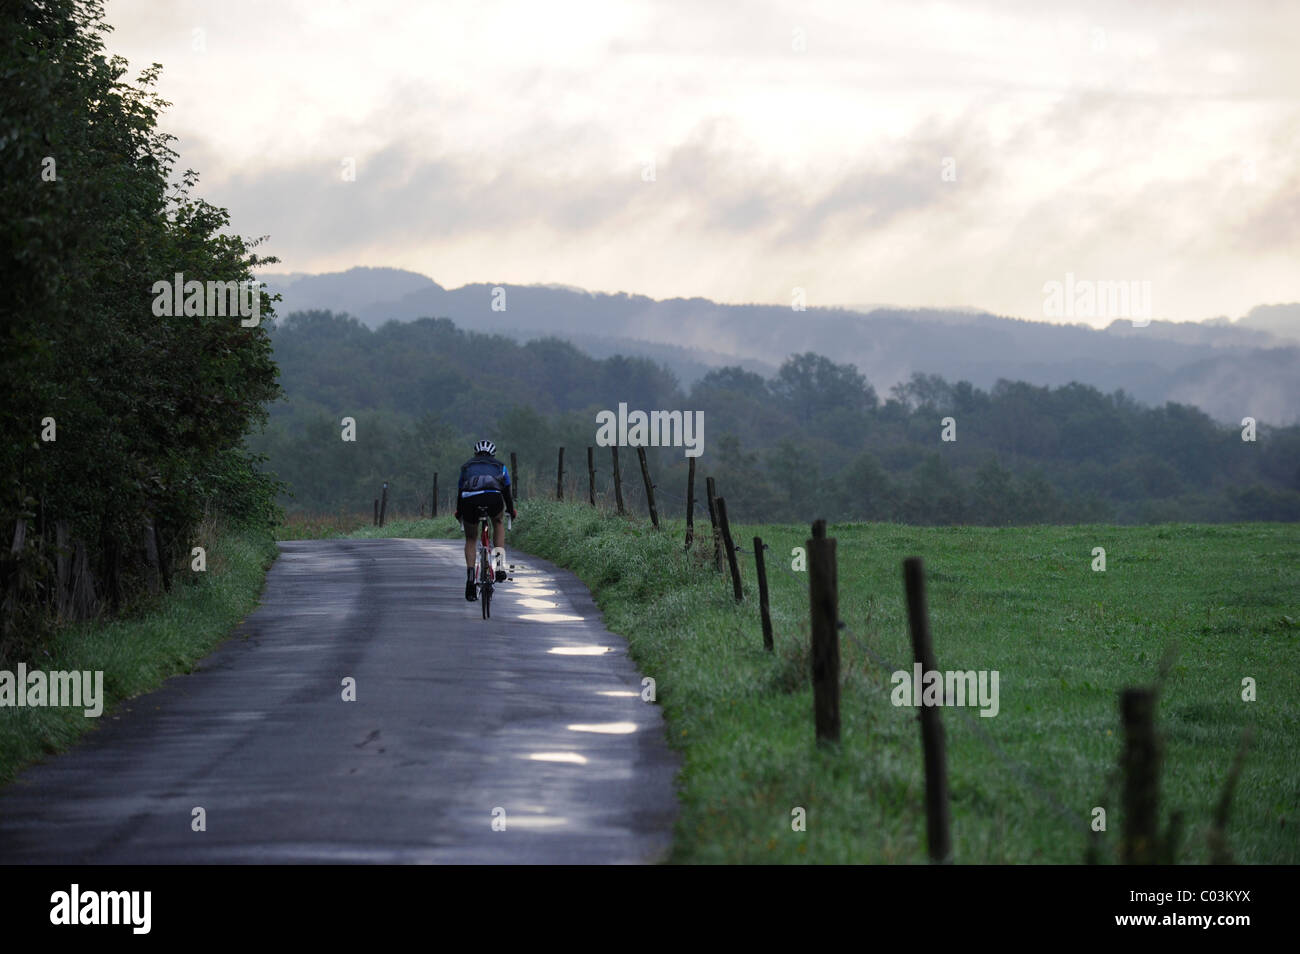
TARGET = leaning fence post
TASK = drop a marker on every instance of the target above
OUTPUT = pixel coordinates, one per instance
(936, 763)
(618, 480)
(823, 606)
(649, 487)
(732, 562)
(710, 490)
(690, 502)
(591, 476)
(1141, 764)
(764, 612)
(559, 477)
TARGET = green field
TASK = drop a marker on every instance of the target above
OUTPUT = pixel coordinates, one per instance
(1022, 601)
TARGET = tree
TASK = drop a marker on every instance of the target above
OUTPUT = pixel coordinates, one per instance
(809, 385)
(150, 412)
(992, 496)
(867, 490)
(934, 494)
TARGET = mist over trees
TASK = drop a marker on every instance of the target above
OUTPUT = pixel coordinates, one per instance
(815, 439)
(1227, 369)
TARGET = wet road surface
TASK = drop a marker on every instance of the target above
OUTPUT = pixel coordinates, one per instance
(521, 739)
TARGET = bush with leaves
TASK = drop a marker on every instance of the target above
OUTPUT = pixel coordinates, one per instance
(148, 414)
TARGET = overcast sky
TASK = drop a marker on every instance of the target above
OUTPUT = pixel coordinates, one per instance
(740, 150)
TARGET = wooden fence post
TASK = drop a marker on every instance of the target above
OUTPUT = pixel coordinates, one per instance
(690, 502)
(559, 477)
(649, 487)
(591, 476)
(434, 512)
(764, 612)
(932, 740)
(383, 505)
(731, 549)
(1141, 765)
(514, 476)
(710, 490)
(823, 604)
(618, 480)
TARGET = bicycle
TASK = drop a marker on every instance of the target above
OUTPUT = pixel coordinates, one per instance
(484, 571)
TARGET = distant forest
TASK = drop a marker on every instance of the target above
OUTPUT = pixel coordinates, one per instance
(816, 439)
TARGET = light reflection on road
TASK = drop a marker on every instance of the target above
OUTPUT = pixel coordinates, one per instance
(572, 758)
(605, 728)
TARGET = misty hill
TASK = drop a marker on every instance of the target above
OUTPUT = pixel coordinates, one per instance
(352, 291)
(1228, 369)
(1281, 320)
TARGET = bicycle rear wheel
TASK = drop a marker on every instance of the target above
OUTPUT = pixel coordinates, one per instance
(485, 581)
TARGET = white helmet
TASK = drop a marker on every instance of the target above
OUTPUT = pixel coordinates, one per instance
(485, 447)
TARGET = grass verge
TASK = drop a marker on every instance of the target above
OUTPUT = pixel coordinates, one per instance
(137, 652)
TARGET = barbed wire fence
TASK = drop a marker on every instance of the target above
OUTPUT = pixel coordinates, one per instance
(887, 668)
(1140, 842)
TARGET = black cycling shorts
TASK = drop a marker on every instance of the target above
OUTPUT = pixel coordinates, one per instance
(488, 504)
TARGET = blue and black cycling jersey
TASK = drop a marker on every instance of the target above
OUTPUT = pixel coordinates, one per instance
(484, 474)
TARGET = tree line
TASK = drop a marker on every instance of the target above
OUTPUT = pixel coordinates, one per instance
(121, 429)
(816, 437)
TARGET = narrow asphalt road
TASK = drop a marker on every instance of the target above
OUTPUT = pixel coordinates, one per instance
(531, 722)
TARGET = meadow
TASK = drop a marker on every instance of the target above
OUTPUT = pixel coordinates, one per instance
(1197, 609)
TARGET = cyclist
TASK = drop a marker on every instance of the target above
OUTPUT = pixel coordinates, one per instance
(483, 490)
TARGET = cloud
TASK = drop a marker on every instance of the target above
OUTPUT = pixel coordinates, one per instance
(508, 141)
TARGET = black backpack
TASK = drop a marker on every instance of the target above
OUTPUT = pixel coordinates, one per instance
(482, 473)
